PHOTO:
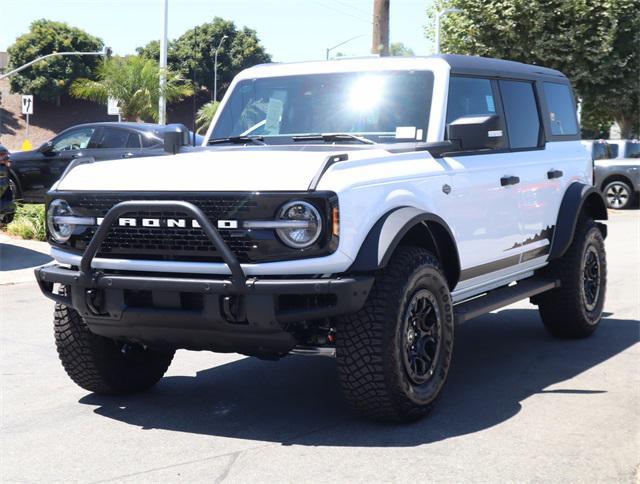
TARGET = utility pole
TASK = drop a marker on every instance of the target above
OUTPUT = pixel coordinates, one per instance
(162, 102)
(380, 42)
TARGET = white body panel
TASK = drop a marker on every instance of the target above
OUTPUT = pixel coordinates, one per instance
(489, 222)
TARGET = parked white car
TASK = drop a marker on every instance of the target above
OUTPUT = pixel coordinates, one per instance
(353, 208)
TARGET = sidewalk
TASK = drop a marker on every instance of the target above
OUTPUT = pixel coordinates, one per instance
(18, 258)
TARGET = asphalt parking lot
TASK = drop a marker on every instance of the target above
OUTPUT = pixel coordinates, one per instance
(519, 406)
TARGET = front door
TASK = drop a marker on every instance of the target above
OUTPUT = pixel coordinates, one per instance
(484, 197)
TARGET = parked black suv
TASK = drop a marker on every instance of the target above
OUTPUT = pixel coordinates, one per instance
(34, 172)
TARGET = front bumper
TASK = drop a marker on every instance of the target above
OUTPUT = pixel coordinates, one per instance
(224, 313)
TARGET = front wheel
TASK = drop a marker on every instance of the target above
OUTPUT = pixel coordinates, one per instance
(574, 309)
(103, 365)
(394, 354)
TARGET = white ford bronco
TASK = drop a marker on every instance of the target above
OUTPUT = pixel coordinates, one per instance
(355, 208)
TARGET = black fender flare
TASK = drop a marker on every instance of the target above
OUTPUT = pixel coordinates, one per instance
(387, 233)
(578, 198)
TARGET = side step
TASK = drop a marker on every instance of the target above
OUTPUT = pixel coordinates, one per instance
(501, 297)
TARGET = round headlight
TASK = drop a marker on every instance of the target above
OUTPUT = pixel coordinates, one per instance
(59, 231)
(307, 229)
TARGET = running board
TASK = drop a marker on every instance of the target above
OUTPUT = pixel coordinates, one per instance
(499, 298)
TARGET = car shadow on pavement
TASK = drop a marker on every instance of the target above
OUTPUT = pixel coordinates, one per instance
(13, 258)
(500, 360)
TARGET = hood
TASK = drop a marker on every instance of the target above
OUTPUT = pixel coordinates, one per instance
(246, 169)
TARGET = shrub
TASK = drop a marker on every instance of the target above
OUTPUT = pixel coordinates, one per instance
(29, 222)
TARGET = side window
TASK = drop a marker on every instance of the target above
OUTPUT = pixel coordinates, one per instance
(134, 141)
(599, 151)
(632, 149)
(468, 95)
(151, 140)
(77, 139)
(521, 113)
(113, 138)
(562, 111)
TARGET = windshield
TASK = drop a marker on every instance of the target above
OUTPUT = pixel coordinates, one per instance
(390, 106)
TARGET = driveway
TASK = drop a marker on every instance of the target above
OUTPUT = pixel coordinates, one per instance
(519, 406)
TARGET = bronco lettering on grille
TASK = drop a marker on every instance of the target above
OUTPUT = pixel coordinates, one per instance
(179, 223)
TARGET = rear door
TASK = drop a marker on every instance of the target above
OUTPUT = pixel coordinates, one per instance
(546, 168)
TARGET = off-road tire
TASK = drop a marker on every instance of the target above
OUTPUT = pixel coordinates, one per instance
(370, 347)
(103, 365)
(566, 311)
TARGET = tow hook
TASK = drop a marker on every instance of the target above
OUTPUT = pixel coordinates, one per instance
(233, 309)
(95, 301)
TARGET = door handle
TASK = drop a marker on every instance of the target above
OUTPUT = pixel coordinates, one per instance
(551, 174)
(128, 155)
(509, 180)
(77, 155)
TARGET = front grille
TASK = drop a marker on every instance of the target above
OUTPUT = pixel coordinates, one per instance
(189, 243)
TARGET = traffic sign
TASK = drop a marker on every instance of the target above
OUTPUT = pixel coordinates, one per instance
(112, 107)
(27, 104)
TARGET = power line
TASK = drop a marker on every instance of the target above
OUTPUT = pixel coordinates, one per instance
(347, 14)
(357, 9)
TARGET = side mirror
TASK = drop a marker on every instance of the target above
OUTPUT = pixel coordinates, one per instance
(175, 136)
(46, 147)
(477, 132)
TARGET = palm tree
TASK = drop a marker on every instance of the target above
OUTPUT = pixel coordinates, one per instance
(205, 115)
(135, 82)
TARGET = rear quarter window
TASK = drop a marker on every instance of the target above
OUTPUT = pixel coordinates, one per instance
(561, 109)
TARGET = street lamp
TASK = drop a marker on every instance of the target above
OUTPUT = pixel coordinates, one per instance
(439, 16)
(341, 43)
(215, 68)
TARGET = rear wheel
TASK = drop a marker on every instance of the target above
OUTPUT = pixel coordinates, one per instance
(574, 309)
(103, 365)
(618, 194)
(394, 354)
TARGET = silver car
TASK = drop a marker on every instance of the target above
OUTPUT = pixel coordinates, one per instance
(617, 171)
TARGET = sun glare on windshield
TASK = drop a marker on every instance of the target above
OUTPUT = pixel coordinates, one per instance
(366, 93)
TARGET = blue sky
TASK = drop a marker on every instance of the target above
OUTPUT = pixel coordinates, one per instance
(291, 30)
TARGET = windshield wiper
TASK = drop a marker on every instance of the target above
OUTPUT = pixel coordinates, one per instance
(259, 140)
(332, 137)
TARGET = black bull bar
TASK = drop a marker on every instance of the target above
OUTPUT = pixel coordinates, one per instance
(231, 298)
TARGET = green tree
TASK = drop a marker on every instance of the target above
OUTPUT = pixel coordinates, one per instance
(134, 81)
(400, 50)
(194, 52)
(51, 78)
(596, 43)
(205, 115)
